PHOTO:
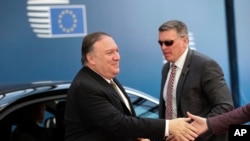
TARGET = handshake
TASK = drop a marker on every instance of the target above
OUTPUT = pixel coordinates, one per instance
(185, 129)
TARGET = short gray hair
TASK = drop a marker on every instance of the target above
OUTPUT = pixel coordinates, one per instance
(177, 25)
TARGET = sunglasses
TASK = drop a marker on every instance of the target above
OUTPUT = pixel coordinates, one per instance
(167, 43)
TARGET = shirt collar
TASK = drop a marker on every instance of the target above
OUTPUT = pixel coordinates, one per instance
(108, 80)
(180, 62)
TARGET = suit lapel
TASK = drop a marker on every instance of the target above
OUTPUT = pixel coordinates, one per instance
(109, 88)
(104, 83)
(183, 76)
(125, 94)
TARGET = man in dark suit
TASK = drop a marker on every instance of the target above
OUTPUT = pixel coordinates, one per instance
(198, 85)
(96, 112)
(220, 123)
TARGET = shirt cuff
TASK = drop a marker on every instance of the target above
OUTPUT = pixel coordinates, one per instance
(167, 128)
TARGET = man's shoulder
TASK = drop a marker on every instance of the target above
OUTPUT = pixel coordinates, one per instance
(200, 56)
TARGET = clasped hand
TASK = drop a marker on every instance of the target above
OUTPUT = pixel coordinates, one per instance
(181, 130)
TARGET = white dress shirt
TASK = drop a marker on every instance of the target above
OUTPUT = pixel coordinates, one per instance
(179, 65)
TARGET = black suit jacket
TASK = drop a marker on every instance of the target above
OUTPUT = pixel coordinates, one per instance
(201, 90)
(220, 124)
(95, 112)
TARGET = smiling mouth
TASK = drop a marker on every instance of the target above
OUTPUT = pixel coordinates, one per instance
(116, 65)
(167, 53)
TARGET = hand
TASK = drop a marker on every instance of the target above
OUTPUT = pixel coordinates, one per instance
(199, 122)
(142, 139)
(170, 138)
(182, 130)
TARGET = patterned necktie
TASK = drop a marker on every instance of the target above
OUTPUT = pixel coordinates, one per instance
(169, 108)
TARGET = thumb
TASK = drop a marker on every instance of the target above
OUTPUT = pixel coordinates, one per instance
(191, 115)
(187, 119)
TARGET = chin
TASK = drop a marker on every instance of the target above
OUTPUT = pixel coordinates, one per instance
(116, 71)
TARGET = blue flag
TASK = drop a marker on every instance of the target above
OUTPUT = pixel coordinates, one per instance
(68, 21)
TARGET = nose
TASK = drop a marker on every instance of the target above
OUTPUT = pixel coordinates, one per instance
(117, 56)
(163, 47)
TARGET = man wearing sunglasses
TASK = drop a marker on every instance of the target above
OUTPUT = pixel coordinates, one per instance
(190, 81)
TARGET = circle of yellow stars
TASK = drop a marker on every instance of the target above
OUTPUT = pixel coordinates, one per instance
(73, 26)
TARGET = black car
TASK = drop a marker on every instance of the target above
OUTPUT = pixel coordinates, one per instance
(14, 98)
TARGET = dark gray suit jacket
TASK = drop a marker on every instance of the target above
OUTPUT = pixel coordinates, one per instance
(94, 112)
(220, 124)
(201, 90)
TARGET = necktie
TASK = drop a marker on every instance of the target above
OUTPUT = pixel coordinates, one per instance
(169, 112)
(122, 96)
(112, 83)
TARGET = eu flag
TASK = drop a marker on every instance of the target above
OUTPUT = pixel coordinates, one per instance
(68, 21)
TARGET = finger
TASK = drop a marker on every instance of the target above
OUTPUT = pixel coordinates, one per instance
(191, 132)
(183, 138)
(191, 128)
(191, 138)
(188, 119)
(191, 115)
(170, 138)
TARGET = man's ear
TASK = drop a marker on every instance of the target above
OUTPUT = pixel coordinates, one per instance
(186, 40)
(90, 58)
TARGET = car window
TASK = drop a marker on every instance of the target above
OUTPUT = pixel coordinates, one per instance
(144, 107)
(50, 124)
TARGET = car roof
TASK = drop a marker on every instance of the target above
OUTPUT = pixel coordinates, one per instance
(4, 88)
(10, 93)
(141, 94)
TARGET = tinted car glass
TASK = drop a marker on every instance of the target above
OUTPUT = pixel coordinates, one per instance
(144, 107)
(12, 101)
